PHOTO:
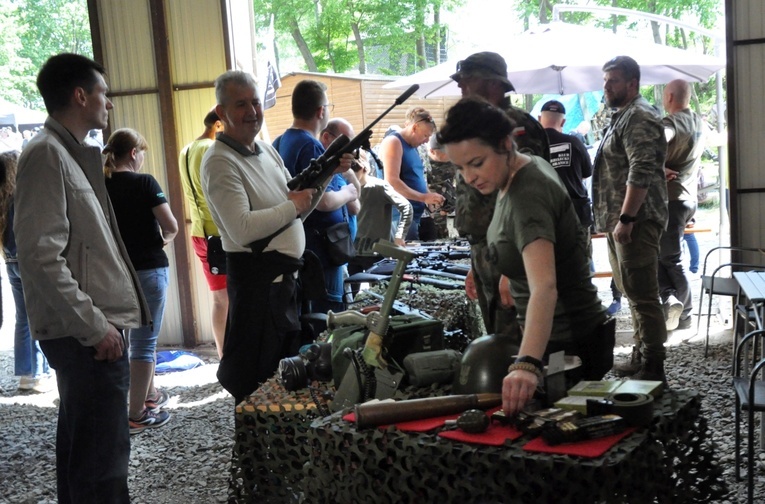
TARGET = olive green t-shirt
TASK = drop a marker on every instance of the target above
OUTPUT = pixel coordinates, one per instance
(537, 206)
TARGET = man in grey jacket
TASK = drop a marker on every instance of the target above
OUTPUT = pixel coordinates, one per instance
(80, 288)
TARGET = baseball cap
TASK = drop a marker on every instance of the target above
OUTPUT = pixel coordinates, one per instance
(486, 65)
(554, 106)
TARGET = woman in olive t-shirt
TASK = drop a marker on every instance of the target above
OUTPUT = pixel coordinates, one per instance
(536, 241)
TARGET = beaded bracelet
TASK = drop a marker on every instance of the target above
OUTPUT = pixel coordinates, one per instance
(527, 366)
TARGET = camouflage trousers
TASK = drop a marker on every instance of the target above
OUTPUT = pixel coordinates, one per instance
(635, 269)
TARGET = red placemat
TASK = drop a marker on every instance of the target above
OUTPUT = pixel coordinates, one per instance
(495, 435)
(588, 449)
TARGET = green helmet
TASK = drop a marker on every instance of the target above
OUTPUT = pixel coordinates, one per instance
(484, 364)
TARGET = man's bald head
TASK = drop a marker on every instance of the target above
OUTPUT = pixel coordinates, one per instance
(335, 127)
(677, 95)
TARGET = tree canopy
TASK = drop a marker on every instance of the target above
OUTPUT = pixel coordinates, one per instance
(31, 31)
(341, 35)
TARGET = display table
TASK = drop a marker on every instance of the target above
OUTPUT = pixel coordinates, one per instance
(671, 461)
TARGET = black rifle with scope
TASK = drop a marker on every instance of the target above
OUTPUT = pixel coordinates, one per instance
(320, 170)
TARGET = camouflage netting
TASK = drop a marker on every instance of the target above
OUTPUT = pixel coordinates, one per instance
(287, 449)
(272, 443)
(277, 432)
(673, 462)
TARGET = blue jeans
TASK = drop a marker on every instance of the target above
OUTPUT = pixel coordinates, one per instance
(92, 438)
(29, 359)
(693, 251)
(143, 341)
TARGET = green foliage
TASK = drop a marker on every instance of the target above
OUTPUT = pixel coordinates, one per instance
(388, 32)
(31, 32)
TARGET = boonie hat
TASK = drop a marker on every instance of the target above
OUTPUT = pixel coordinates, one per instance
(487, 65)
(554, 106)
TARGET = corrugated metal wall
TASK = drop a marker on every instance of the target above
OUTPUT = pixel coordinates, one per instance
(196, 36)
(197, 57)
(129, 60)
(746, 121)
(360, 100)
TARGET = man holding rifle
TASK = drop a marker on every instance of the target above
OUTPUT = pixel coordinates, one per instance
(245, 184)
(484, 75)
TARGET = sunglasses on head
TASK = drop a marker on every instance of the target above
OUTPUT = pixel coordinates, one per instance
(427, 118)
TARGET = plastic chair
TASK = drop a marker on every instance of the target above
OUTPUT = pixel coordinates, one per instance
(750, 397)
(715, 284)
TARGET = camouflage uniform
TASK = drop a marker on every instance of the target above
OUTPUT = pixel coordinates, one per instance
(632, 152)
(441, 181)
(473, 216)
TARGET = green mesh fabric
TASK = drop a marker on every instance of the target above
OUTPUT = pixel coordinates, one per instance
(285, 451)
(671, 462)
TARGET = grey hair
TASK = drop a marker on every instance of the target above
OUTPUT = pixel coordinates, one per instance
(236, 77)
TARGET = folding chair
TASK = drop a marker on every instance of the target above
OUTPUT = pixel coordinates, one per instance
(717, 283)
(750, 397)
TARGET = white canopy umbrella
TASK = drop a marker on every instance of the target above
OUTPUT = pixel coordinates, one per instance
(565, 59)
(15, 115)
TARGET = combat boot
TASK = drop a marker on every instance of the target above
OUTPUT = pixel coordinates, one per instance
(630, 367)
(653, 370)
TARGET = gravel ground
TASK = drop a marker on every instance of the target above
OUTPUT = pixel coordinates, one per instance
(188, 459)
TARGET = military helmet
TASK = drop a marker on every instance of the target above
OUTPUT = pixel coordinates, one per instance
(484, 364)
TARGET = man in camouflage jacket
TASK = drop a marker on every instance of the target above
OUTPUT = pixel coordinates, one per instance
(630, 205)
(441, 176)
(485, 74)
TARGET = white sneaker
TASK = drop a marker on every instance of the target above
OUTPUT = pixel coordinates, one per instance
(673, 308)
(40, 384)
(26, 382)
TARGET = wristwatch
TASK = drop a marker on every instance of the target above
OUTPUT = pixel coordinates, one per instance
(627, 219)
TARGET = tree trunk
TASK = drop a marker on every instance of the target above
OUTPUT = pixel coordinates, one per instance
(303, 46)
(437, 24)
(359, 47)
(544, 6)
(422, 62)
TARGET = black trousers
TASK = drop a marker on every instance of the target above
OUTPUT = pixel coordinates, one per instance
(263, 323)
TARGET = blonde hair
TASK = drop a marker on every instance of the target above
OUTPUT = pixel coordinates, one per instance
(419, 114)
(119, 146)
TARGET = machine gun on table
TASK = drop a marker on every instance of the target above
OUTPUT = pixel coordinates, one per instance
(427, 270)
(458, 249)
